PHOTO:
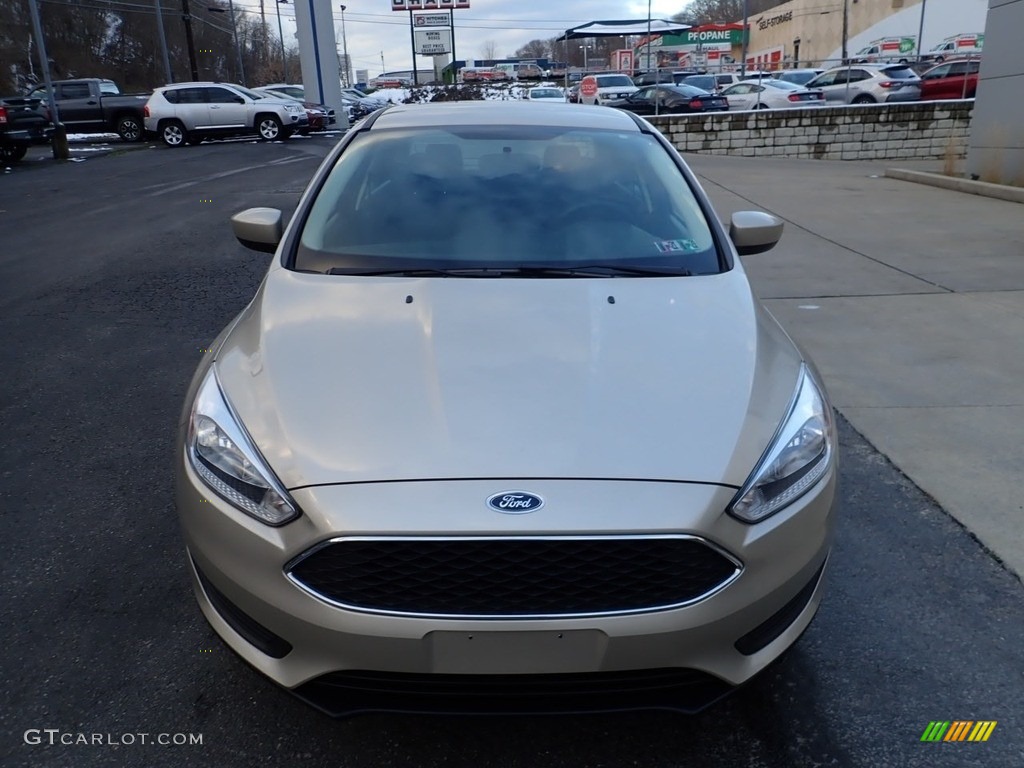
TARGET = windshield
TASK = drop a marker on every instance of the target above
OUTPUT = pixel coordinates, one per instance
(546, 93)
(900, 73)
(109, 88)
(501, 197)
(690, 91)
(251, 94)
(705, 82)
(611, 81)
(799, 77)
(782, 85)
(273, 95)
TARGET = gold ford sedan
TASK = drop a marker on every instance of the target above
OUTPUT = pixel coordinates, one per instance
(504, 429)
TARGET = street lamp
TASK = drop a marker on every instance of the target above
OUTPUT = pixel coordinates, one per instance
(280, 33)
(234, 35)
(585, 48)
(344, 48)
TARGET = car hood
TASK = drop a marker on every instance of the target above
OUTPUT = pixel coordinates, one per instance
(355, 379)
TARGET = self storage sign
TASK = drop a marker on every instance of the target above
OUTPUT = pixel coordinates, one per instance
(430, 20)
(428, 5)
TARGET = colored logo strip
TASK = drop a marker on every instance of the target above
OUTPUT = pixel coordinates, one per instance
(958, 730)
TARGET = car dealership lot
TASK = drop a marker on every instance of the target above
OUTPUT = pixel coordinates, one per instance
(114, 276)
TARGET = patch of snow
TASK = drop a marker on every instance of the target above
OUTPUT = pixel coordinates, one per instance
(92, 136)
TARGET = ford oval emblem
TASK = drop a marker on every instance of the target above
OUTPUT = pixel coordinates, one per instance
(515, 502)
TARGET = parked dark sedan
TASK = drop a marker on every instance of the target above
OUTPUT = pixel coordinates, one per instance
(671, 100)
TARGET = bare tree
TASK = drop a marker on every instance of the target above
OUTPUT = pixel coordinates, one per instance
(720, 11)
(489, 50)
(535, 49)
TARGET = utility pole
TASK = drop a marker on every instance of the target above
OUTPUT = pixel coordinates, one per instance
(920, 29)
(846, 27)
(412, 42)
(163, 42)
(234, 32)
(263, 57)
(186, 16)
(234, 36)
(746, 36)
(280, 32)
(451, 23)
(344, 49)
(60, 134)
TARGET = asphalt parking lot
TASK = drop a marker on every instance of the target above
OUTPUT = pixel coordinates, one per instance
(115, 272)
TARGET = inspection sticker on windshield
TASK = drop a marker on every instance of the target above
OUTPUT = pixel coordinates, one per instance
(676, 246)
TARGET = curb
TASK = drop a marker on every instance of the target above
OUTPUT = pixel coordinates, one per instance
(967, 186)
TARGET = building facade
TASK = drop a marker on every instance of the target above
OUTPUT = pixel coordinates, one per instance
(811, 32)
(817, 33)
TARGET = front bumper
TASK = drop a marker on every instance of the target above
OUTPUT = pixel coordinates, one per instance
(308, 645)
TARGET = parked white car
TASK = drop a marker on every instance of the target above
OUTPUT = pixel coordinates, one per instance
(771, 94)
(600, 89)
(192, 112)
(546, 93)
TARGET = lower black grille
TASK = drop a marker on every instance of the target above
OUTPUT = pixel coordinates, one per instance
(492, 577)
(255, 633)
(354, 692)
(779, 622)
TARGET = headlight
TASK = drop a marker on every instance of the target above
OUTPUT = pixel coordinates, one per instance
(796, 458)
(295, 108)
(224, 456)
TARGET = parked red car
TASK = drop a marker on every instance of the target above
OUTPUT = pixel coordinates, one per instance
(951, 80)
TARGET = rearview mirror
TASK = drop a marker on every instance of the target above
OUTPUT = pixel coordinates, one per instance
(754, 231)
(258, 228)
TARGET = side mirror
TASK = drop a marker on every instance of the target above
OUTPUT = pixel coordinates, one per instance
(754, 232)
(258, 228)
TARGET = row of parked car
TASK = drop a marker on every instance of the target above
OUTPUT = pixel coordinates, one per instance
(686, 91)
(176, 114)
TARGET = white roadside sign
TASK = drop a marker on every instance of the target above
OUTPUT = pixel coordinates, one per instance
(431, 42)
(431, 20)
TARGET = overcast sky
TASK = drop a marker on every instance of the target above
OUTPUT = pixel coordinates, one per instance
(371, 26)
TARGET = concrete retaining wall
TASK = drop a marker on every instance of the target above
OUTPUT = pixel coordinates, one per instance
(931, 130)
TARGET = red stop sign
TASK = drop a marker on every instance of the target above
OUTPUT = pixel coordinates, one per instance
(589, 86)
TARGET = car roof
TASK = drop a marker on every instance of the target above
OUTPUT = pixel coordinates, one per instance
(503, 113)
(199, 82)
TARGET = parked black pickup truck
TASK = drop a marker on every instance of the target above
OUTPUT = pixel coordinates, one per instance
(92, 105)
(23, 122)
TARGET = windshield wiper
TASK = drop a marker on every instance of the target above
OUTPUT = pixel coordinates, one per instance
(595, 270)
(414, 272)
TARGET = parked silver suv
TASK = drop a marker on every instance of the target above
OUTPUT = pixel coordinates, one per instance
(195, 111)
(868, 84)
